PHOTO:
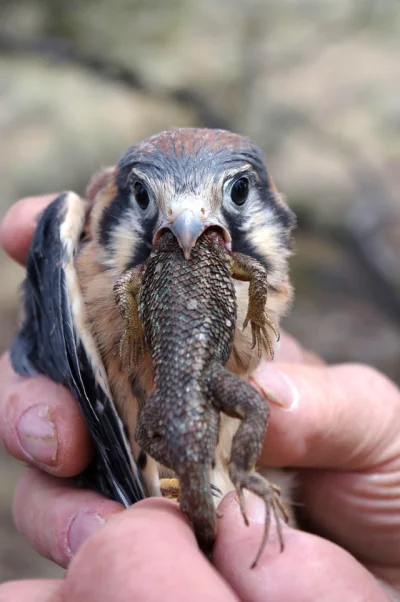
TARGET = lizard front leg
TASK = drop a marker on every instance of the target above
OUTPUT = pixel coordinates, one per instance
(125, 291)
(236, 398)
(247, 269)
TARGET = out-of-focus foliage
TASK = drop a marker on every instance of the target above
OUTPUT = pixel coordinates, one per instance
(316, 84)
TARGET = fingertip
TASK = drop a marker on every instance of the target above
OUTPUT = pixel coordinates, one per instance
(158, 515)
(41, 423)
(19, 224)
(312, 563)
(152, 550)
(57, 517)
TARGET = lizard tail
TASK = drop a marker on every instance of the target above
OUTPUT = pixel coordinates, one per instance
(196, 501)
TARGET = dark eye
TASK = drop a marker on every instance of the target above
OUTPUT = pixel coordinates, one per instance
(141, 195)
(240, 191)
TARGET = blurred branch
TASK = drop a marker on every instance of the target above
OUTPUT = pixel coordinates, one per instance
(361, 235)
(360, 247)
(62, 52)
(381, 289)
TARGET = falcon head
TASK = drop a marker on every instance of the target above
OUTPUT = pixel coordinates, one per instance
(187, 180)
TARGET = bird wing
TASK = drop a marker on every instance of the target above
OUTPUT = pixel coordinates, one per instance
(54, 339)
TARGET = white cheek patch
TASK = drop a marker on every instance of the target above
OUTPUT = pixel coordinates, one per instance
(125, 237)
(265, 234)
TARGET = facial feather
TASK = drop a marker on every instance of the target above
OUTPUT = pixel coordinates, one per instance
(197, 168)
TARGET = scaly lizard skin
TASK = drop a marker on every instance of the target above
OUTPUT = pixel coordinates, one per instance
(188, 312)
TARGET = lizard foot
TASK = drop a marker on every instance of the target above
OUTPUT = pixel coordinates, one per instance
(269, 493)
(258, 330)
(134, 338)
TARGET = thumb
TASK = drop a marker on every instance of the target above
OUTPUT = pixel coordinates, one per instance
(318, 569)
(344, 416)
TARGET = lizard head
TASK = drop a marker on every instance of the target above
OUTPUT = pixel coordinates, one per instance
(188, 180)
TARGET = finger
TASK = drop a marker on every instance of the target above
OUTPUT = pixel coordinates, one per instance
(57, 517)
(344, 416)
(289, 350)
(19, 224)
(309, 568)
(41, 423)
(38, 590)
(359, 510)
(146, 553)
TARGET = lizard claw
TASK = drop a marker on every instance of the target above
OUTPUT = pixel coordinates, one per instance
(136, 346)
(216, 491)
(242, 506)
(259, 330)
(270, 494)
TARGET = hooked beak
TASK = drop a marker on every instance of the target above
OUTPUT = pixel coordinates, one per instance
(187, 227)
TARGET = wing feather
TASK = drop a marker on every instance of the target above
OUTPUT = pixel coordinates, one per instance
(55, 340)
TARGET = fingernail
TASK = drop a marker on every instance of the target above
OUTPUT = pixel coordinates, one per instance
(82, 526)
(274, 385)
(38, 436)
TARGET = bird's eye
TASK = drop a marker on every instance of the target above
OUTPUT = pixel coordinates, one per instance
(141, 195)
(240, 191)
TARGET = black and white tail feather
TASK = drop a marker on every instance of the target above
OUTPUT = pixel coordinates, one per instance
(54, 340)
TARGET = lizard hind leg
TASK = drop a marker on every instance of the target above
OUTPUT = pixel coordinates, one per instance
(236, 398)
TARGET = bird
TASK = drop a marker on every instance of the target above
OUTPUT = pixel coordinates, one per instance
(185, 181)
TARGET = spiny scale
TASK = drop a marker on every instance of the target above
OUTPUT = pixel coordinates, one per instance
(187, 308)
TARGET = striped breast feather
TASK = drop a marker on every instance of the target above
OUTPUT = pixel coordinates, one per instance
(54, 340)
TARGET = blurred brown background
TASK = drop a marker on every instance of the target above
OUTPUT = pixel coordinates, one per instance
(316, 84)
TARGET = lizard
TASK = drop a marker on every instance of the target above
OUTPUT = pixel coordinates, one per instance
(186, 312)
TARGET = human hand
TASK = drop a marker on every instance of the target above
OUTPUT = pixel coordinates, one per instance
(317, 430)
(341, 424)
